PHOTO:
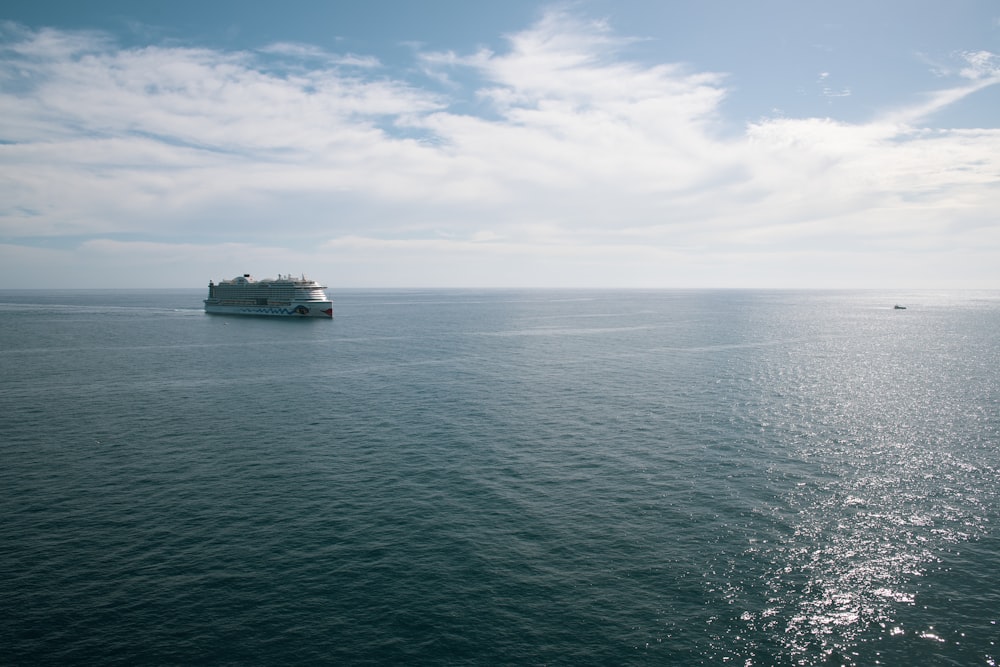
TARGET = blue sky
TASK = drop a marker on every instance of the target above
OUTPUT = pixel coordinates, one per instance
(447, 143)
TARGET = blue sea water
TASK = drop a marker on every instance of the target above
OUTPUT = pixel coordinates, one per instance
(456, 477)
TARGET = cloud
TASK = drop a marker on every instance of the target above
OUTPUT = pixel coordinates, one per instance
(311, 52)
(571, 151)
(981, 65)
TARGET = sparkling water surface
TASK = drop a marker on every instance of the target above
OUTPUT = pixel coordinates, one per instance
(502, 477)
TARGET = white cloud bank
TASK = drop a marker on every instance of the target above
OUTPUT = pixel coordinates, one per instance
(166, 166)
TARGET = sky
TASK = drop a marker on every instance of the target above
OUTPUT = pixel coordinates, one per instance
(446, 143)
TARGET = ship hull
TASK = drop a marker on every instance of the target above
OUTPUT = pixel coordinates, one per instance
(306, 309)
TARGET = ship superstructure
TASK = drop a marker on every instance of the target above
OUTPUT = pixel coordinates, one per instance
(284, 296)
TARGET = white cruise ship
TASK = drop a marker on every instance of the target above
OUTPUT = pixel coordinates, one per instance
(284, 296)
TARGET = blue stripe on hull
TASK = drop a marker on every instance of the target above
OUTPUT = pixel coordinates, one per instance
(272, 311)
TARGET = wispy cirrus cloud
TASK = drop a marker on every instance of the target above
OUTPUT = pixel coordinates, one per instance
(310, 52)
(980, 65)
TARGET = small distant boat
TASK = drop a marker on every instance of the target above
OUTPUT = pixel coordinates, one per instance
(899, 307)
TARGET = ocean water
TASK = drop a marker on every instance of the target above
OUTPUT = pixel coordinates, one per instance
(502, 477)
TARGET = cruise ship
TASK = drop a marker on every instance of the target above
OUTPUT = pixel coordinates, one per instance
(284, 296)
